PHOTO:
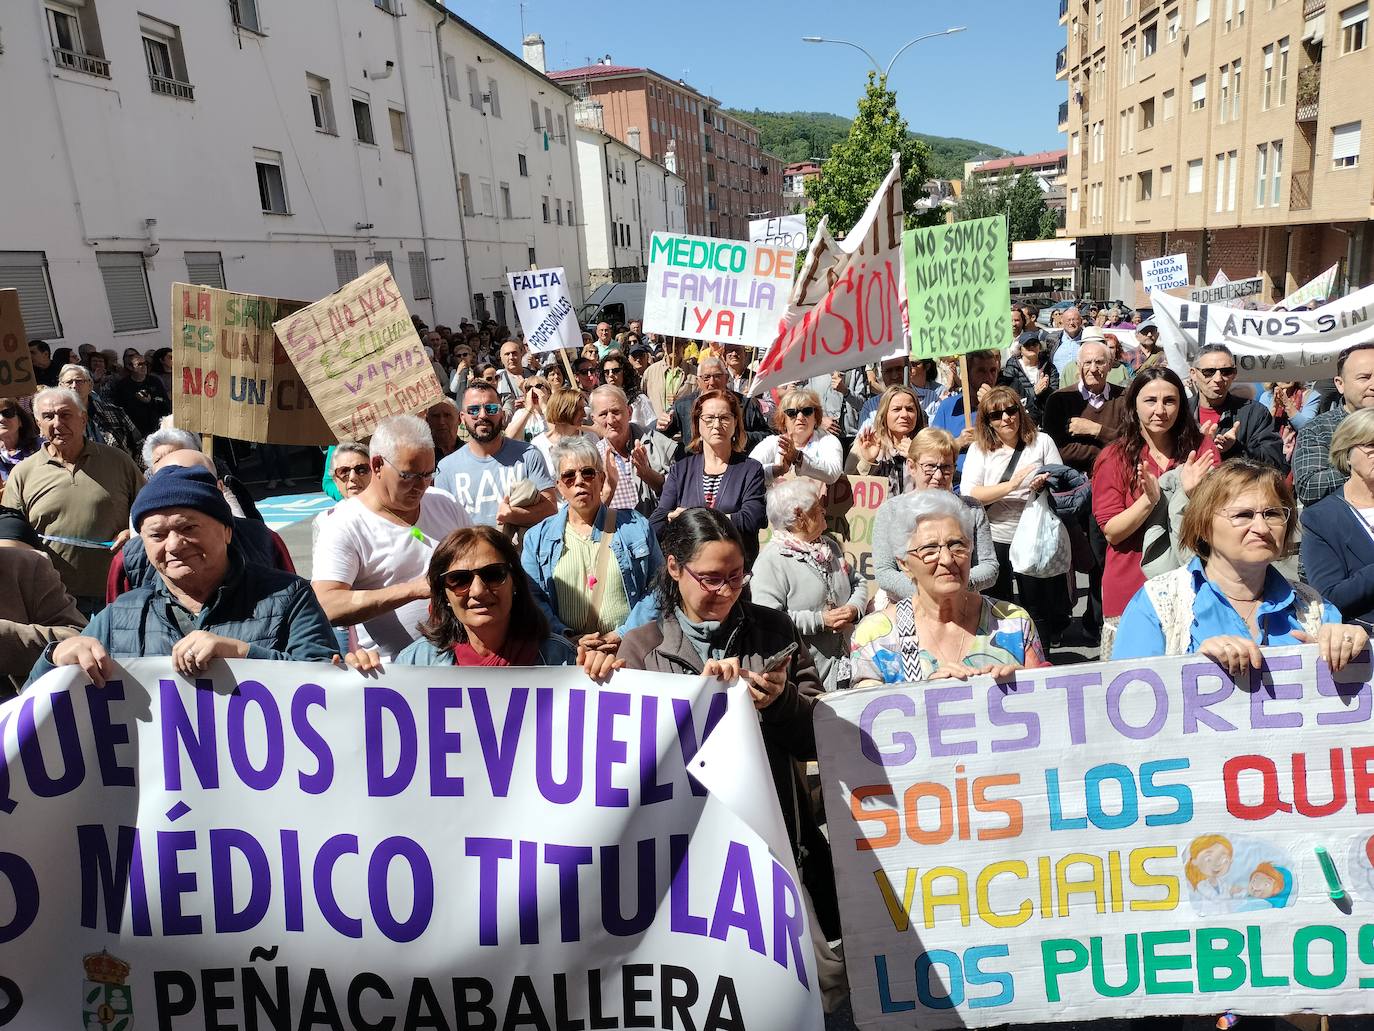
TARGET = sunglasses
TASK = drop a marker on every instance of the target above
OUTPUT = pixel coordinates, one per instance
(343, 472)
(1002, 413)
(806, 412)
(612, 370)
(587, 370)
(587, 474)
(409, 477)
(490, 408)
(1224, 370)
(460, 580)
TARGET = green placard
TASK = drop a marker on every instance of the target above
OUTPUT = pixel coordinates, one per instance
(957, 295)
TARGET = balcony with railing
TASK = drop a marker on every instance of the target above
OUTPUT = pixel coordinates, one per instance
(172, 87)
(1061, 63)
(1312, 8)
(87, 64)
(1064, 116)
(1300, 193)
(1309, 92)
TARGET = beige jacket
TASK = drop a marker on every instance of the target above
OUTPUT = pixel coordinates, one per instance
(35, 611)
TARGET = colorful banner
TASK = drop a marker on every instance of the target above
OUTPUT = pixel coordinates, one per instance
(16, 368)
(290, 845)
(360, 355)
(547, 315)
(788, 231)
(1167, 273)
(1319, 289)
(1268, 345)
(230, 376)
(1229, 290)
(1111, 840)
(723, 290)
(848, 304)
(957, 293)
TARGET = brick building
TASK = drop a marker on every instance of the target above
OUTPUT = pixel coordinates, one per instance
(730, 179)
(1225, 130)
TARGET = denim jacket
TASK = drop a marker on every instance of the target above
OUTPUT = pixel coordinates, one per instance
(634, 546)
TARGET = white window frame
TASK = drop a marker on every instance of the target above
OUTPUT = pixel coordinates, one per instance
(1197, 93)
(271, 160)
(1276, 172)
(1261, 174)
(321, 104)
(1355, 28)
(451, 76)
(1342, 154)
(127, 271)
(474, 89)
(1166, 181)
(366, 102)
(494, 97)
(1202, 12)
(1195, 177)
(507, 209)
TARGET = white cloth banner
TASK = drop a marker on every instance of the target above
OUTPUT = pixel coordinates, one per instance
(710, 289)
(1166, 273)
(290, 845)
(848, 305)
(1319, 289)
(787, 231)
(1268, 345)
(1231, 290)
(1108, 840)
(547, 316)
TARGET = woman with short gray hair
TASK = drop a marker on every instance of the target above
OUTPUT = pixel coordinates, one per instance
(803, 572)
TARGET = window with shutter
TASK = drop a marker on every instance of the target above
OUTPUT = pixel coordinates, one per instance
(345, 267)
(1345, 145)
(205, 268)
(1199, 92)
(419, 275)
(27, 272)
(126, 290)
(383, 258)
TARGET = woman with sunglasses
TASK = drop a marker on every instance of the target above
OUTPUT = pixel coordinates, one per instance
(1002, 472)
(880, 449)
(18, 435)
(1230, 601)
(616, 371)
(800, 446)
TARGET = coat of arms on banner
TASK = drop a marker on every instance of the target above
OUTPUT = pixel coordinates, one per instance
(108, 1001)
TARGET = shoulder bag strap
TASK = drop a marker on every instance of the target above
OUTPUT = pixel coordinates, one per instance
(603, 555)
(1011, 465)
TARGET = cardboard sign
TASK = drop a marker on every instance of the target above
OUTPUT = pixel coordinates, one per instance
(723, 290)
(230, 376)
(1115, 840)
(957, 294)
(848, 304)
(851, 505)
(788, 231)
(434, 847)
(1167, 273)
(360, 355)
(16, 368)
(1319, 289)
(1268, 345)
(546, 312)
(1230, 290)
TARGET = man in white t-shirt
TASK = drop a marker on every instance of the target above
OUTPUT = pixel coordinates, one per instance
(480, 474)
(373, 552)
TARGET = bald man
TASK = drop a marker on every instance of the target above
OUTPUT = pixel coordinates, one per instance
(258, 544)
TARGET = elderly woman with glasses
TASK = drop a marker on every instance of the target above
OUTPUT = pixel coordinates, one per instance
(105, 423)
(941, 627)
(800, 446)
(591, 566)
(19, 436)
(1338, 531)
(1230, 601)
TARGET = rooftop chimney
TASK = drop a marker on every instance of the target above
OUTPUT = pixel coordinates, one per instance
(534, 52)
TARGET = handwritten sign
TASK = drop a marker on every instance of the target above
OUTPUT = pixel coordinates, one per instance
(16, 368)
(1231, 290)
(230, 376)
(546, 312)
(360, 355)
(957, 292)
(1319, 289)
(1167, 273)
(787, 231)
(1107, 840)
(520, 848)
(851, 505)
(723, 290)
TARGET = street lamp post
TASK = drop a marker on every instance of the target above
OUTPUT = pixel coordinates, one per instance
(873, 60)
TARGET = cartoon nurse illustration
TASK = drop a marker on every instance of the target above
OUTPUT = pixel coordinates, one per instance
(1209, 860)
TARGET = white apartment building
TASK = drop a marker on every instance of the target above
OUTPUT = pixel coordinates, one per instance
(626, 198)
(279, 147)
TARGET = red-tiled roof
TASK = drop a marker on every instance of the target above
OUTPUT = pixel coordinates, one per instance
(801, 167)
(593, 71)
(1045, 157)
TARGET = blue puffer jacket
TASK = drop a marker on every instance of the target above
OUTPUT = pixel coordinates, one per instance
(555, 651)
(275, 613)
(634, 546)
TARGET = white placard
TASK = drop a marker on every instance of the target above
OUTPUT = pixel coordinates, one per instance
(547, 316)
(1166, 273)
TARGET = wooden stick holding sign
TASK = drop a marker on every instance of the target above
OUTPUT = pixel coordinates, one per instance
(572, 376)
(964, 389)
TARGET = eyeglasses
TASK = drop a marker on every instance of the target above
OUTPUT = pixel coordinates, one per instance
(1002, 413)
(460, 580)
(717, 420)
(409, 477)
(717, 584)
(1222, 370)
(930, 553)
(343, 472)
(73, 382)
(1238, 517)
(931, 468)
(587, 474)
(806, 412)
(490, 408)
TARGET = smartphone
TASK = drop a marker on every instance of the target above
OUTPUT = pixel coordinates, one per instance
(776, 662)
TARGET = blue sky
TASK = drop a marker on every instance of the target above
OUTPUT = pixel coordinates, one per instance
(994, 83)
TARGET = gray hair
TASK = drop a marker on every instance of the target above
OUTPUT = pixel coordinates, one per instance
(84, 372)
(400, 431)
(788, 499)
(66, 394)
(351, 447)
(580, 448)
(1106, 351)
(610, 390)
(1213, 349)
(922, 505)
(184, 440)
(710, 359)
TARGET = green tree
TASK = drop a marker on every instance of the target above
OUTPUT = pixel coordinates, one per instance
(857, 164)
(1021, 200)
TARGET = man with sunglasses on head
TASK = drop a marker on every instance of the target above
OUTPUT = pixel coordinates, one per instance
(1240, 426)
(371, 557)
(482, 472)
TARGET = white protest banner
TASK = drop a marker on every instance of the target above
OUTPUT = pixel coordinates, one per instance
(1268, 345)
(289, 845)
(848, 304)
(1231, 290)
(788, 231)
(1319, 289)
(546, 312)
(1166, 273)
(723, 290)
(1107, 840)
